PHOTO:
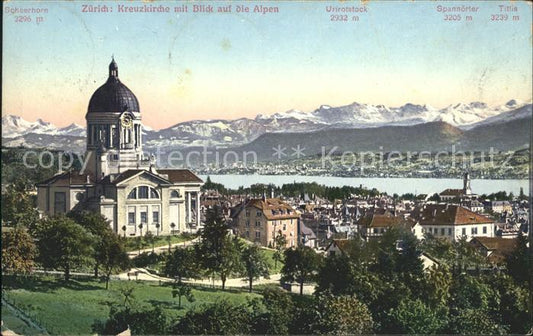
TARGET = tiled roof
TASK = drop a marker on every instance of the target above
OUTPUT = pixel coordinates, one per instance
(500, 247)
(497, 243)
(444, 214)
(342, 244)
(307, 231)
(273, 208)
(70, 177)
(378, 220)
(452, 192)
(180, 175)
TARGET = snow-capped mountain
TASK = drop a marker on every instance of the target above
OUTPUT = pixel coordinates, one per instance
(358, 115)
(232, 133)
(14, 126)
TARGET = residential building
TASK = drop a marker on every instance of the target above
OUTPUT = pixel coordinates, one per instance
(453, 222)
(496, 249)
(260, 220)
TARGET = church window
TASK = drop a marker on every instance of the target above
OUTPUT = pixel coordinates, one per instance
(132, 194)
(174, 194)
(131, 216)
(144, 217)
(143, 192)
(60, 202)
(155, 217)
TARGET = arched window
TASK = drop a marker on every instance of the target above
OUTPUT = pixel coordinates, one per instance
(143, 192)
(174, 194)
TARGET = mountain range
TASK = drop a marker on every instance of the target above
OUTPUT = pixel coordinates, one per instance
(352, 125)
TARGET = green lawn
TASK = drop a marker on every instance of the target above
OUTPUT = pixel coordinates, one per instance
(71, 308)
(270, 257)
(133, 245)
(12, 322)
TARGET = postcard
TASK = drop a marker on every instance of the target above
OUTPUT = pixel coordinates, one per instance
(266, 167)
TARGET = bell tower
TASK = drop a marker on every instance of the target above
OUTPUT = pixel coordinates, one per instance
(114, 129)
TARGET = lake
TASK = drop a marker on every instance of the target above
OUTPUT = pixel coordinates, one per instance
(388, 185)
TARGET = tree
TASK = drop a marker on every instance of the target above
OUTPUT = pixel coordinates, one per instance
(220, 253)
(111, 255)
(518, 262)
(473, 322)
(337, 275)
(230, 261)
(219, 318)
(435, 289)
(98, 226)
(280, 242)
(342, 315)
(280, 309)
(255, 264)
(514, 305)
(140, 320)
(180, 290)
(182, 263)
(413, 317)
(169, 241)
(301, 265)
(18, 251)
(64, 244)
(18, 207)
(150, 240)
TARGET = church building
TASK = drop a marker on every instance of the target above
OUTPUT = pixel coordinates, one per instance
(119, 180)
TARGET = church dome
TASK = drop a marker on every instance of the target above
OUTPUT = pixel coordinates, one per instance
(113, 96)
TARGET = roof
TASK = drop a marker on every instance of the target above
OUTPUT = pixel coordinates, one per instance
(180, 175)
(113, 96)
(273, 208)
(381, 220)
(452, 192)
(124, 175)
(304, 230)
(342, 244)
(445, 214)
(500, 247)
(496, 243)
(70, 178)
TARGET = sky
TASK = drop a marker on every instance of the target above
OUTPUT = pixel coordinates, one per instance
(187, 66)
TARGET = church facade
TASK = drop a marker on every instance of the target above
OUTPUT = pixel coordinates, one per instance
(119, 180)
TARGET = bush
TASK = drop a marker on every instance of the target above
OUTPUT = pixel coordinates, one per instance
(147, 259)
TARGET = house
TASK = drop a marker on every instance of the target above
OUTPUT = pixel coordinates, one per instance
(306, 236)
(118, 180)
(427, 261)
(262, 219)
(338, 246)
(496, 249)
(500, 206)
(453, 222)
(374, 225)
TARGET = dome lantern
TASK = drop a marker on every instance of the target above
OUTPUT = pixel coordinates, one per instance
(113, 96)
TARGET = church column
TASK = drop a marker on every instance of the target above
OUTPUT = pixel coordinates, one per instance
(188, 217)
(198, 219)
